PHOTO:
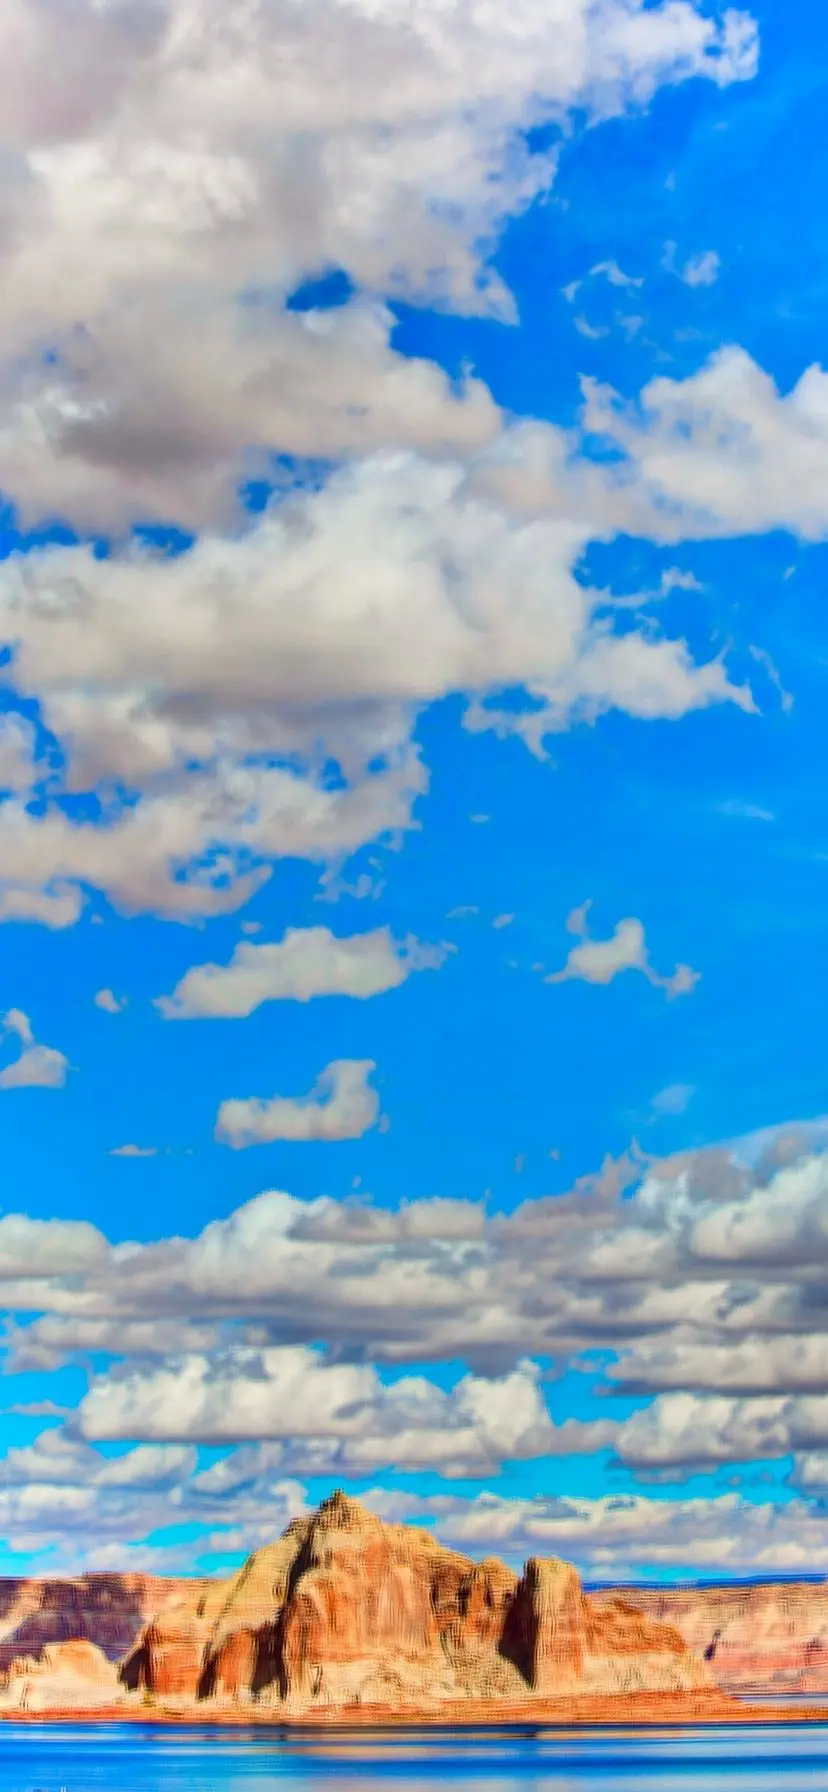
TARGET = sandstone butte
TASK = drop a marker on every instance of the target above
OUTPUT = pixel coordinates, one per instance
(346, 1619)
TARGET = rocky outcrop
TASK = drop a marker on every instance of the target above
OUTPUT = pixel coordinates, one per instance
(759, 1638)
(67, 1676)
(546, 1629)
(346, 1611)
(108, 1610)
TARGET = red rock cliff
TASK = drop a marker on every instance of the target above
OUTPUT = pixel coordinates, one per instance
(763, 1638)
(347, 1610)
(107, 1610)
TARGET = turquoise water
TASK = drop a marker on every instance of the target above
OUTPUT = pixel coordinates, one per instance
(132, 1759)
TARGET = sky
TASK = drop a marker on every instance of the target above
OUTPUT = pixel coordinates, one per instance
(413, 829)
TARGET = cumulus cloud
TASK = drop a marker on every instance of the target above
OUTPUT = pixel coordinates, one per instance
(810, 1471)
(36, 1066)
(628, 1535)
(181, 206)
(213, 690)
(599, 961)
(137, 855)
(165, 368)
(683, 1430)
(700, 1274)
(722, 452)
(754, 1364)
(719, 1330)
(56, 905)
(331, 1418)
(56, 1339)
(63, 1496)
(43, 1248)
(307, 962)
(341, 1105)
(56, 1458)
(83, 1510)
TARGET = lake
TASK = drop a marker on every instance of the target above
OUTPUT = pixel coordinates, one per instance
(126, 1758)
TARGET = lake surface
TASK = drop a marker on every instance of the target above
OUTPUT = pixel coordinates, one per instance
(128, 1758)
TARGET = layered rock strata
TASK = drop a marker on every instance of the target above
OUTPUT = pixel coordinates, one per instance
(346, 1611)
(759, 1639)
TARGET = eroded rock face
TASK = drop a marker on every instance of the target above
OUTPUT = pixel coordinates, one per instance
(109, 1610)
(363, 1592)
(342, 1611)
(545, 1630)
(71, 1675)
(757, 1638)
(170, 1655)
(346, 1610)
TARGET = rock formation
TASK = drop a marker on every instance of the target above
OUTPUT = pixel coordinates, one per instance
(760, 1638)
(345, 1612)
(109, 1610)
(546, 1629)
(348, 1611)
(71, 1676)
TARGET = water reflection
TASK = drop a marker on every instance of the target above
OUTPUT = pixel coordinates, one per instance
(777, 1758)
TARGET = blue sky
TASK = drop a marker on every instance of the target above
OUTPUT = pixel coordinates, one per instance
(412, 801)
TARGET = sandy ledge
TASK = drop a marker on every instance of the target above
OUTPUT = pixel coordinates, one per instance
(644, 1710)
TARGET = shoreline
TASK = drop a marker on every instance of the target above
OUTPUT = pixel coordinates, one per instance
(635, 1711)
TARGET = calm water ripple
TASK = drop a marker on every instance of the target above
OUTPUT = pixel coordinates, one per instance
(127, 1758)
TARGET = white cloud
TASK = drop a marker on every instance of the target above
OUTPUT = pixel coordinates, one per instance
(341, 1105)
(687, 1359)
(56, 1458)
(84, 1510)
(723, 1322)
(54, 1339)
(224, 387)
(163, 184)
(307, 962)
(37, 1066)
(62, 1495)
(810, 1471)
(614, 274)
(135, 856)
(248, 1498)
(628, 1535)
(702, 269)
(722, 452)
(347, 610)
(162, 368)
(331, 1418)
(43, 1248)
(680, 1430)
(15, 1021)
(703, 1272)
(600, 961)
(17, 752)
(109, 1002)
(57, 905)
(134, 1151)
(763, 658)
